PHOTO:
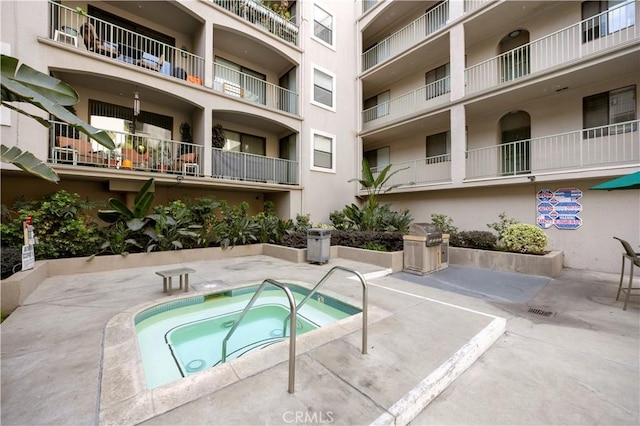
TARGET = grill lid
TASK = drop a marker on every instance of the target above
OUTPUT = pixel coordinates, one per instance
(430, 232)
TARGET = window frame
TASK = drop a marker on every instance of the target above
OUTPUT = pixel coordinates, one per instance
(605, 127)
(447, 148)
(330, 136)
(333, 88)
(332, 29)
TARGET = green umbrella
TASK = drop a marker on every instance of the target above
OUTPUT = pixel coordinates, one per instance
(630, 181)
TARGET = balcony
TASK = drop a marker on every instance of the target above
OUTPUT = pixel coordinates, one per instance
(422, 99)
(470, 5)
(263, 17)
(146, 153)
(407, 37)
(368, 4)
(423, 171)
(244, 86)
(254, 168)
(118, 44)
(140, 152)
(601, 33)
(606, 146)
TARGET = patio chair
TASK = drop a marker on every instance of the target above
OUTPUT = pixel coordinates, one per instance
(187, 164)
(94, 44)
(136, 160)
(634, 260)
(151, 62)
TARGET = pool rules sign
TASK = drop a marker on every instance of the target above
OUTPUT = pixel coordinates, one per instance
(559, 208)
(28, 254)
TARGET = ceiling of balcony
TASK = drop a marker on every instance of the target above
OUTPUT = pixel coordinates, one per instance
(167, 14)
(392, 17)
(421, 126)
(491, 22)
(251, 49)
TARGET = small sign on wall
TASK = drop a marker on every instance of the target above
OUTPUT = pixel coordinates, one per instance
(559, 208)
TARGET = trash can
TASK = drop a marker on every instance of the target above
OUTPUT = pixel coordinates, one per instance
(318, 245)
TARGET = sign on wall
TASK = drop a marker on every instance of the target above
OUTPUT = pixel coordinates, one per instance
(559, 208)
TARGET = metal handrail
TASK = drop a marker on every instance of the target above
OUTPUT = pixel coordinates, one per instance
(292, 337)
(320, 283)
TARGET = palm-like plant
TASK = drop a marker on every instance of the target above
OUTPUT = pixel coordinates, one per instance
(377, 185)
(23, 84)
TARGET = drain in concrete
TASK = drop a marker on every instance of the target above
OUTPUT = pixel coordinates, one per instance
(540, 312)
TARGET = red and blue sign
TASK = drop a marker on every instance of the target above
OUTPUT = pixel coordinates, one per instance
(559, 208)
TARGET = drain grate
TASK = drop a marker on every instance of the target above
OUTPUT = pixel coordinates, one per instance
(540, 312)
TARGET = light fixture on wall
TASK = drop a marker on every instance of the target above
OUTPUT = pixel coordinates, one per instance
(514, 34)
(183, 53)
(136, 104)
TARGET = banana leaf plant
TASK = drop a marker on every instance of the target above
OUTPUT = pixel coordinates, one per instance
(23, 84)
(135, 219)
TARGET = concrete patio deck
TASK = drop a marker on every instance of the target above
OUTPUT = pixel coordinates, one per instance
(579, 364)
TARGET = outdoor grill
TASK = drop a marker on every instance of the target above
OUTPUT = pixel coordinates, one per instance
(429, 231)
(422, 249)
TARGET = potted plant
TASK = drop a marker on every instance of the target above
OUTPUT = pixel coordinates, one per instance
(218, 138)
(161, 157)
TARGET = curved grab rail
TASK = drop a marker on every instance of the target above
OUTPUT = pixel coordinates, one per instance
(292, 337)
(320, 283)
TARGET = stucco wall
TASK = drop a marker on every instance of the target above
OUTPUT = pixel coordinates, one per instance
(604, 215)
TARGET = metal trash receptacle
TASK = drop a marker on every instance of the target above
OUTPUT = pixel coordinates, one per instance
(318, 245)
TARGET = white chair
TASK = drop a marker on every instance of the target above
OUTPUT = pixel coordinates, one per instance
(67, 34)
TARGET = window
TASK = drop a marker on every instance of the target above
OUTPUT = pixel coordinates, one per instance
(378, 158)
(323, 149)
(376, 106)
(241, 142)
(437, 81)
(322, 25)
(438, 147)
(323, 88)
(608, 108)
(597, 24)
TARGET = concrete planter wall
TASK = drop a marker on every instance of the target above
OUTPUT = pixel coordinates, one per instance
(16, 288)
(549, 265)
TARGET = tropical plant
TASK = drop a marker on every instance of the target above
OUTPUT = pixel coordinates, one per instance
(339, 220)
(236, 226)
(135, 219)
(119, 239)
(23, 84)
(525, 238)
(302, 223)
(377, 185)
(172, 227)
(204, 213)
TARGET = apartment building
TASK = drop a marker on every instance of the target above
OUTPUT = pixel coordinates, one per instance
(484, 106)
(511, 106)
(232, 99)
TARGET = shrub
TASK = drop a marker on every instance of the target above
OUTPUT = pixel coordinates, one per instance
(483, 240)
(11, 256)
(501, 226)
(373, 246)
(391, 241)
(444, 223)
(339, 220)
(62, 226)
(525, 238)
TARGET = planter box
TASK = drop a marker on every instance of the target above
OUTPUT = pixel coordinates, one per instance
(17, 287)
(548, 265)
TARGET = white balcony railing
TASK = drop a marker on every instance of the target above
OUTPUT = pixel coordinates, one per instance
(254, 168)
(613, 145)
(408, 36)
(263, 17)
(133, 152)
(421, 99)
(425, 170)
(240, 85)
(470, 5)
(119, 44)
(599, 33)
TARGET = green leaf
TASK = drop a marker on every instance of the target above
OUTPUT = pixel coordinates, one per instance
(142, 206)
(145, 188)
(136, 224)
(53, 89)
(28, 162)
(39, 119)
(109, 216)
(121, 208)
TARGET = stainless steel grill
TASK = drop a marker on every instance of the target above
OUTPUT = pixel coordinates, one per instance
(422, 249)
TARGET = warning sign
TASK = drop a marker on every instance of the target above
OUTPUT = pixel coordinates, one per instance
(559, 208)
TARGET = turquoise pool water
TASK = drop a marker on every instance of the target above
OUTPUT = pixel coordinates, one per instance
(184, 337)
